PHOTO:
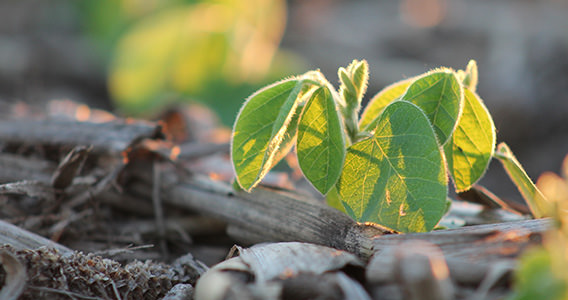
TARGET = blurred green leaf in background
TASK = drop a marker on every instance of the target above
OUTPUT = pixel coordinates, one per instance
(164, 52)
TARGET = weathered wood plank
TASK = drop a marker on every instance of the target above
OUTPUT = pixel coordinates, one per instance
(110, 137)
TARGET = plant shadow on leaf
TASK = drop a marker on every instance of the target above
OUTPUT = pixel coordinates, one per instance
(404, 180)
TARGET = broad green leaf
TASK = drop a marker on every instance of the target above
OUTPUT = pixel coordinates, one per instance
(321, 145)
(439, 94)
(472, 144)
(532, 195)
(380, 101)
(396, 178)
(262, 125)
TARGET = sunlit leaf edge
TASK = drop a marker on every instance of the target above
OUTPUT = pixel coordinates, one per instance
(449, 147)
(264, 168)
(444, 70)
(336, 133)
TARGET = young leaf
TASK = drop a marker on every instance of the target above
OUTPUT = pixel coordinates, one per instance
(472, 144)
(470, 76)
(262, 125)
(321, 144)
(380, 101)
(360, 78)
(524, 184)
(440, 94)
(354, 83)
(396, 178)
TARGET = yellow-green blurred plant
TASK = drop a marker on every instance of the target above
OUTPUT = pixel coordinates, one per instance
(216, 50)
(543, 272)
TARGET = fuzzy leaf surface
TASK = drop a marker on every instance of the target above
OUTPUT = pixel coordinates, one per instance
(396, 178)
(262, 125)
(321, 144)
(472, 144)
(380, 101)
(439, 94)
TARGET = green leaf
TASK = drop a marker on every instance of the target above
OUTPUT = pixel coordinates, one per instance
(360, 77)
(471, 76)
(532, 195)
(535, 278)
(387, 95)
(263, 124)
(397, 178)
(176, 48)
(439, 93)
(472, 144)
(332, 199)
(354, 83)
(347, 85)
(321, 144)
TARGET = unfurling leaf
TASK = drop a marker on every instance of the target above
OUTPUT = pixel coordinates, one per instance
(471, 76)
(472, 144)
(263, 124)
(321, 144)
(354, 83)
(380, 101)
(524, 184)
(440, 95)
(396, 178)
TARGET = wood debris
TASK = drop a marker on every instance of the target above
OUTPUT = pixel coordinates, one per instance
(135, 195)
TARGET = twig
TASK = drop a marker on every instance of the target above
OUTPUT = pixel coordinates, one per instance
(274, 216)
(100, 187)
(23, 239)
(69, 167)
(158, 211)
(63, 292)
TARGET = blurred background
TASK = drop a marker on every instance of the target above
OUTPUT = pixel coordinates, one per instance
(139, 57)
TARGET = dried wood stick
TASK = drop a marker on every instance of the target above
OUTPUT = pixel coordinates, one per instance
(110, 137)
(69, 167)
(271, 215)
(23, 239)
(480, 243)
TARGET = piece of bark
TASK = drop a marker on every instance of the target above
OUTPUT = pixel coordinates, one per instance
(283, 271)
(69, 167)
(23, 239)
(274, 215)
(481, 243)
(15, 279)
(270, 261)
(472, 253)
(109, 138)
(34, 189)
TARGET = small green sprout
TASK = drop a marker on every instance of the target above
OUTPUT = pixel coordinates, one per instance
(392, 165)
